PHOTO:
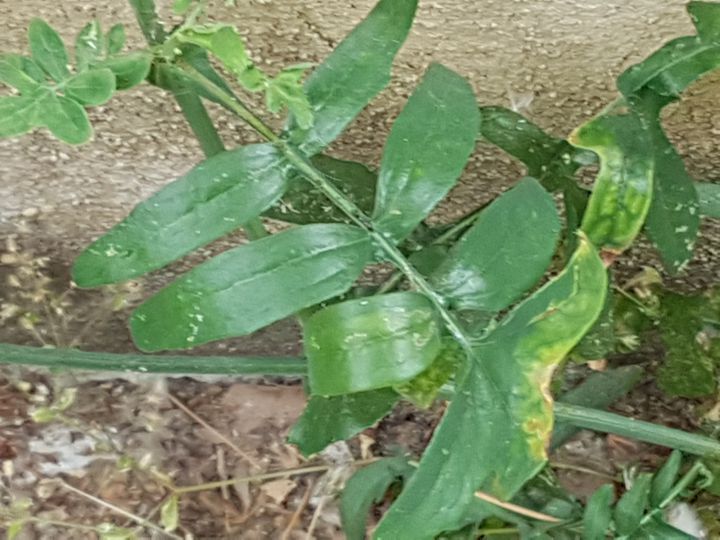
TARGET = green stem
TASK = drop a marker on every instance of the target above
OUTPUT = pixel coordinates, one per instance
(636, 429)
(198, 118)
(318, 180)
(227, 365)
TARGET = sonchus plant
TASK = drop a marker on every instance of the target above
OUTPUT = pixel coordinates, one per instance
(470, 314)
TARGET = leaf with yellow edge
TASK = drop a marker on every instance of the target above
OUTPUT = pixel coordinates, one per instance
(494, 434)
(623, 190)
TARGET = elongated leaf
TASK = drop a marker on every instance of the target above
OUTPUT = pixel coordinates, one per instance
(326, 420)
(65, 118)
(368, 486)
(549, 159)
(14, 72)
(631, 507)
(302, 203)
(129, 69)
(48, 50)
(599, 341)
(494, 433)
(17, 115)
(214, 198)
(623, 189)
(249, 287)
(426, 151)
(655, 528)
(598, 391)
(506, 251)
(89, 45)
(673, 218)
(688, 368)
(664, 479)
(356, 71)
(598, 514)
(370, 343)
(147, 17)
(93, 87)
(708, 198)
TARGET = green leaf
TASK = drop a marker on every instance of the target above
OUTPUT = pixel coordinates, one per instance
(115, 39)
(109, 531)
(356, 71)
(129, 69)
(672, 68)
(17, 115)
(599, 342)
(285, 90)
(326, 420)
(506, 251)
(674, 218)
(92, 87)
(598, 391)
(706, 18)
(426, 151)
(303, 203)
(708, 198)
(630, 508)
(214, 198)
(366, 487)
(546, 157)
(688, 368)
(664, 479)
(494, 433)
(14, 528)
(89, 45)
(251, 286)
(224, 42)
(598, 513)
(65, 118)
(181, 6)
(623, 189)
(370, 343)
(657, 529)
(169, 514)
(14, 72)
(48, 50)
(146, 15)
(423, 389)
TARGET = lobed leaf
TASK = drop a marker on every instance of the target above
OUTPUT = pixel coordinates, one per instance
(623, 189)
(664, 479)
(48, 50)
(91, 87)
(89, 45)
(21, 73)
(598, 514)
(428, 147)
(129, 69)
(214, 198)
(630, 508)
(115, 40)
(354, 73)
(367, 486)
(251, 286)
(17, 115)
(506, 251)
(495, 430)
(285, 91)
(370, 343)
(303, 203)
(65, 118)
(326, 420)
(673, 219)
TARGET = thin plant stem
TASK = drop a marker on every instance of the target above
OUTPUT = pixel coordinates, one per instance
(56, 523)
(516, 509)
(121, 511)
